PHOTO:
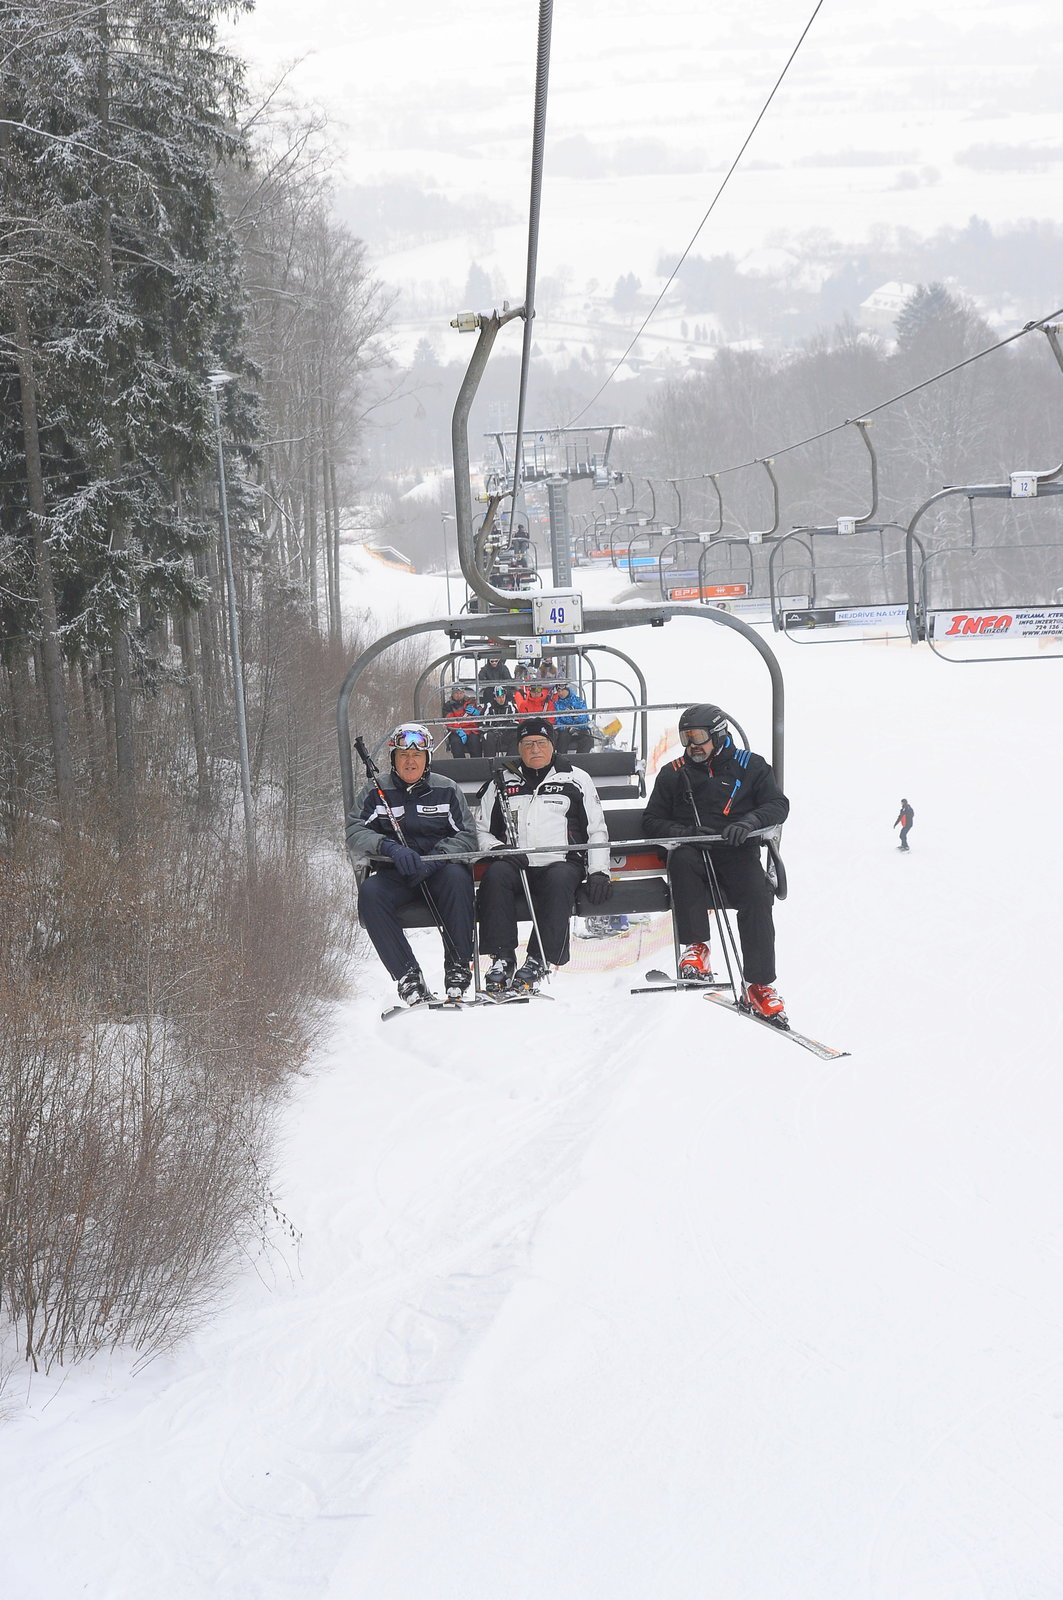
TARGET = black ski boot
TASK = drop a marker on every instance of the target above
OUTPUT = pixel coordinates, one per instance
(499, 974)
(456, 977)
(412, 987)
(526, 979)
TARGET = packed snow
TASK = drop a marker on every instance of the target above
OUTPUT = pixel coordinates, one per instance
(618, 1296)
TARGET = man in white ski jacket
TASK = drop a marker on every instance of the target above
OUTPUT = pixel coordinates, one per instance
(548, 806)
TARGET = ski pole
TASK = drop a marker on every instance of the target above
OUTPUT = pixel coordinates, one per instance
(372, 773)
(514, 844)
(716, 897)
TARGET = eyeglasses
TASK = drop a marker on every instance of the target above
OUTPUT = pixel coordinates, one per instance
(411, 739)
(695, 737)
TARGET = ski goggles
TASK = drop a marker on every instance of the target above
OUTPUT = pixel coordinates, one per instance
(694, 737)
(410, 739)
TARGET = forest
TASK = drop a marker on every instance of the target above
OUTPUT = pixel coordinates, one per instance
(186, 331)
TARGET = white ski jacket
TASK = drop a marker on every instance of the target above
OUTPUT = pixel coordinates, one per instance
(558, 809)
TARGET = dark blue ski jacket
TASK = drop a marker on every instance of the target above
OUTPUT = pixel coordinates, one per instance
(433, 814)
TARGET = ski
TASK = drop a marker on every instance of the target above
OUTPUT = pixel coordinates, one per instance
(658, 982)
(435, 1003)
(482, 1000)
(825, 1052)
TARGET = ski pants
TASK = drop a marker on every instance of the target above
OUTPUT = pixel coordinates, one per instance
(384, 894)
(743, 886)
(471, 745)
(904, 835)
(502, 902)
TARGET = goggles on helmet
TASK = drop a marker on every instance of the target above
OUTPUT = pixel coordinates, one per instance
(411, 737)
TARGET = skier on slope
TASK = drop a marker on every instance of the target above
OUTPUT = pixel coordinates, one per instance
(716, 788)
(905, 818)
(553, 804)
(435, 821)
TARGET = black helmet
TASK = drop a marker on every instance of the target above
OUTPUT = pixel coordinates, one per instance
(704, 716)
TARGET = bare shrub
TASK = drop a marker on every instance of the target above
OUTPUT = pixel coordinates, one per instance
(152, 1007)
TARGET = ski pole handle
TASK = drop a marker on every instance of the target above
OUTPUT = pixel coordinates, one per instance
(371, 768)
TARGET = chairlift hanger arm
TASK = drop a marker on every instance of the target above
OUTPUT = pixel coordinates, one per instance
(757, 536)
(678, 503)
(862, 424)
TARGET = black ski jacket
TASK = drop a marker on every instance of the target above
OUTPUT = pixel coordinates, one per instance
(732, 786)
(906, 816)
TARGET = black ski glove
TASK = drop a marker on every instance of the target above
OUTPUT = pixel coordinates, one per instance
(519, 860)
(598, 888)
(736, 832)
(408, 862)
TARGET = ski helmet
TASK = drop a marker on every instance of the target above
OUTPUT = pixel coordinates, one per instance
(411, 736)
(705, 716)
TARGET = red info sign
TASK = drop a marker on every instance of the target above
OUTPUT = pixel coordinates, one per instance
(711, 591)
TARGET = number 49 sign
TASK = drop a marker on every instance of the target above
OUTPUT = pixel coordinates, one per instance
(561, 612)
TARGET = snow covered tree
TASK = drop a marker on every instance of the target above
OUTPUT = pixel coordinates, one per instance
(119, 113)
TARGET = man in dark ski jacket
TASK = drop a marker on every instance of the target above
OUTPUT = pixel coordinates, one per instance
(553, 806)
(494, 669)
(500, 718)
(717, 788)
(905, 818)
(435, 821)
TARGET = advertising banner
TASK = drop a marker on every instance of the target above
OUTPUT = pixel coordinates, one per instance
(711, 591)
(1025, 622)
(860, 616)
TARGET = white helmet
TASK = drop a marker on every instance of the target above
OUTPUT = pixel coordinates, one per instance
(410, 736)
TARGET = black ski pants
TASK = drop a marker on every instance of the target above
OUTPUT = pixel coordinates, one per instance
(743, 886)
(904, 835)
(501, 902)
(385, 893)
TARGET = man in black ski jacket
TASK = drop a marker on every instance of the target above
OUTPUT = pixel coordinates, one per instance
(905, 818)
(435, 823)
(718, 789)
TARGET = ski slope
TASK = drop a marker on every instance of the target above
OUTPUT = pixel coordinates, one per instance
(621, 1297)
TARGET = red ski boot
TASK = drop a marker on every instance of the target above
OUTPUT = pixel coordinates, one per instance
(695, 964)
(764, 1002)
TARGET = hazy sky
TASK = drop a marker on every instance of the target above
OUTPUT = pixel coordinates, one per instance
(909, 115)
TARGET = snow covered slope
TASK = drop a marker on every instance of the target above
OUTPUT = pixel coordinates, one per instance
(622, 1297)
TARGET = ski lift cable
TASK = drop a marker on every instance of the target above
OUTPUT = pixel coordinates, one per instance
(1040, 323)
(712, 206)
